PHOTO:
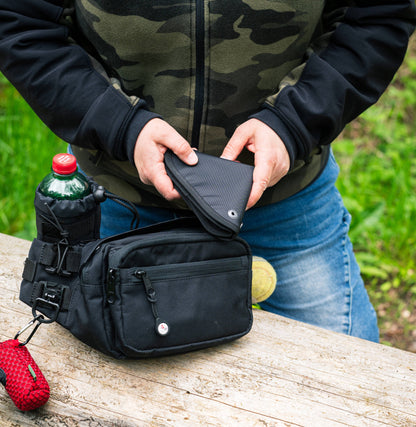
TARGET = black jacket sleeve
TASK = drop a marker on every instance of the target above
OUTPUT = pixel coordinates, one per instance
(349, 66)
(59, 80)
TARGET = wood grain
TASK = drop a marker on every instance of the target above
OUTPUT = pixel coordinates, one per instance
(283, 373)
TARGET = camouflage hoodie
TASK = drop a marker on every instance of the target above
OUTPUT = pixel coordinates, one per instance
(96, 71)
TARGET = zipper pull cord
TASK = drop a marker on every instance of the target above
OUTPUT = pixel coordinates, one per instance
(161, 327)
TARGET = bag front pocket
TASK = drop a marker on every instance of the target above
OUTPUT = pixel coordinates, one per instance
(180, 307)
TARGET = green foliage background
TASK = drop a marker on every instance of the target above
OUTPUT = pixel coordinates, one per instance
(377, 154)
(378, 181)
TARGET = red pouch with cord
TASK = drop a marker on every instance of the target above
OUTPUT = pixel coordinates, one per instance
(21, 376)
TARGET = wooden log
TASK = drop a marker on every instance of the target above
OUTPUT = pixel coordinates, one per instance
(282, 373)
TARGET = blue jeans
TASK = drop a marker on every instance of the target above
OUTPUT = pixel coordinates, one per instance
(305, 238)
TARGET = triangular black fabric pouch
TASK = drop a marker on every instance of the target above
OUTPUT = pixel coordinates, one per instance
(216, 190)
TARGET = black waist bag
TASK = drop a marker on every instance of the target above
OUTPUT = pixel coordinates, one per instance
(164, 289)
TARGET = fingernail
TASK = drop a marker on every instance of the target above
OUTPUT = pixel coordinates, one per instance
(192, 158)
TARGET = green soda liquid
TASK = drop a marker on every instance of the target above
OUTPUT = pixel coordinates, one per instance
(65, 182)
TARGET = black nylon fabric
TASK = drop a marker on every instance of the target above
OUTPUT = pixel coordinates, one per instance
(200, 287)
(164, 289)
(216, 190)
(80, 218)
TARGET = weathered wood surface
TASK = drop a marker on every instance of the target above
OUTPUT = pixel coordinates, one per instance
(282, 373)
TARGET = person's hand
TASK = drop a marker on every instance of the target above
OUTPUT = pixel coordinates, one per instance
(151, 145)
(271, 159)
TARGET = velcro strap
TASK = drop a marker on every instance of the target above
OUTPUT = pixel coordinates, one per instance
(48, 254)
(73, 261)
(29, 270)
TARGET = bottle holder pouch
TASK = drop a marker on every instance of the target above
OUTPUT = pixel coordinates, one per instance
(164, 289)
(80, 218)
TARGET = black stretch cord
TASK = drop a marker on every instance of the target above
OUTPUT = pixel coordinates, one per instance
(63, 242)
(55, 223)
(128, 205)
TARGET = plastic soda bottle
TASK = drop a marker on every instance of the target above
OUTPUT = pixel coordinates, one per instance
(65, 182)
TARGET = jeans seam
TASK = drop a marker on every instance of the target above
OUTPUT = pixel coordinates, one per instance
(347, 267)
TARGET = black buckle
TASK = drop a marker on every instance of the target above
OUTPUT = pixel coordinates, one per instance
(43, 301)
(52, 292)
(51, 297)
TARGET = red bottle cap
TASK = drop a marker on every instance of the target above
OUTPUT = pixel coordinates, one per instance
(64, 164)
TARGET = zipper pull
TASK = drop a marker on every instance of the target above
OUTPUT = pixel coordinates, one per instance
(111, 285)
(150, 290)
(161, 327)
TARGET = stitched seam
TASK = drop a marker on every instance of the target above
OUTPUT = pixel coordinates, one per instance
(347, 271)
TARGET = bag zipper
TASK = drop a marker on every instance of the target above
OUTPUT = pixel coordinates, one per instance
(111, 285)
(181, 270)
(161, 327)
(147, 275)
(117, 257)
(139, 233)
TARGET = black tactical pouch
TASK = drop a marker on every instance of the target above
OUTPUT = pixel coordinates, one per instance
(163, 289)
(79, 218)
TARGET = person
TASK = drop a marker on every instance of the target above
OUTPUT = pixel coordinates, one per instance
(270, 83)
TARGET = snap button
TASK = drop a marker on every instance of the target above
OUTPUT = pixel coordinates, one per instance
(162, 329)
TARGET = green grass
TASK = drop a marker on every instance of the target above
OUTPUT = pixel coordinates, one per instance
(26, 151)
(378, 181)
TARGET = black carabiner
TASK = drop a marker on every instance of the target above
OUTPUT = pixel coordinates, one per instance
(38, 319)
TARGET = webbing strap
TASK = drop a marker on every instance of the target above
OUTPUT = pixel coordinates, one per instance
(48, 255)
(29, 270)
(73, 261)
(79, 229)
